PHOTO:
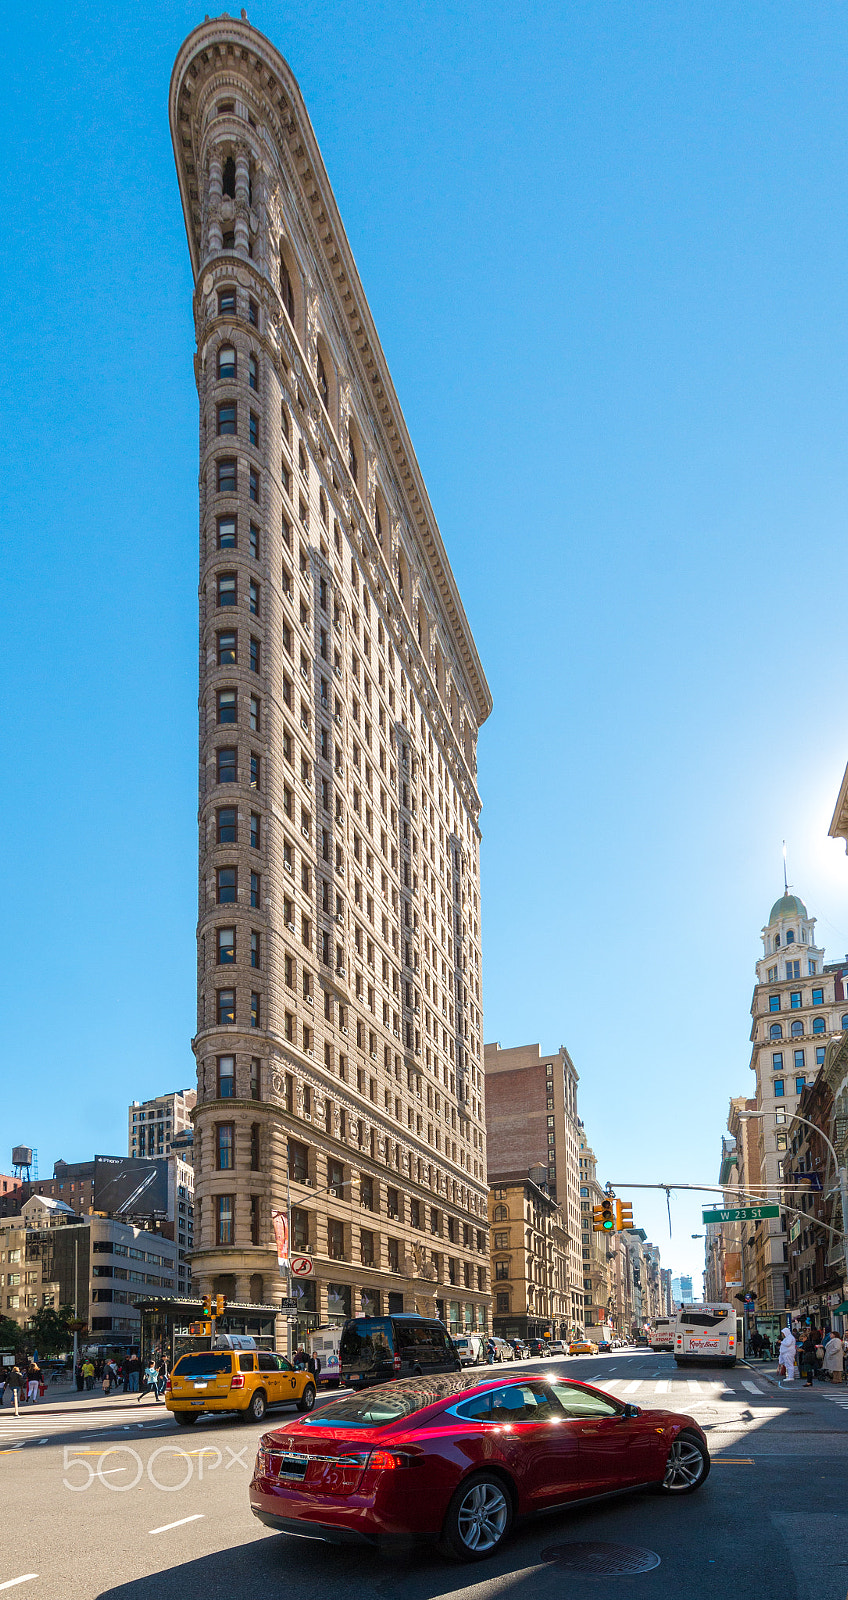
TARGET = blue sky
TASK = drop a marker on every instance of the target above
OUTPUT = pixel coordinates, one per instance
(606, 249)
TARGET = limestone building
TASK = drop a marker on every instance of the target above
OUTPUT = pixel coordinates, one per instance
(338, 1045)
(530, 1266)
(531, 1119)
(596, 1249)
(154, 1125)
(797, 1002)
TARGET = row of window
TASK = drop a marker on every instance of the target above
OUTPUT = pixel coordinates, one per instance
(796, 1031)
(796, 999)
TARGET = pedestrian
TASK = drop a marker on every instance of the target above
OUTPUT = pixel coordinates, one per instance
(161, 1376)
(106, 1381)
(16, 1382)
(809, 1359)
(88, 1372)
(834, 1359)
(33, 1382)
(133, 1367)
(78, 1377)
(149, 1385)
(786, 1356)
(314, 1366)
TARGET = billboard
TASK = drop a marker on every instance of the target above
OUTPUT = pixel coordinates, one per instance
(129, 1187)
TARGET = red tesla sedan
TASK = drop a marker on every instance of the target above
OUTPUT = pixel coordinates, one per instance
(453, 1461)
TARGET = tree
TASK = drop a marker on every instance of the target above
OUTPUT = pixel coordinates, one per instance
(49, 1332)
(11, 1335)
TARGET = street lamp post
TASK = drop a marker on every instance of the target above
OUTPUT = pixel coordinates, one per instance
(841, 1174)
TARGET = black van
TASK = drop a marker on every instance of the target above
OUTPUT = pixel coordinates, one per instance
(377, 1349)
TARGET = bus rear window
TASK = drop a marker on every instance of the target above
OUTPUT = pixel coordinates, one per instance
(702, 1319)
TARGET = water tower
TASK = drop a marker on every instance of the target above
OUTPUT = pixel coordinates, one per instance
(24, 1162)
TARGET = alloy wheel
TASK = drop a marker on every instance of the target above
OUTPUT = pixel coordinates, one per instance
(685, 1467)
(482, 1517)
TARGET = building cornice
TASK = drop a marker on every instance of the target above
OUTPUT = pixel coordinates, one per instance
(839, 822)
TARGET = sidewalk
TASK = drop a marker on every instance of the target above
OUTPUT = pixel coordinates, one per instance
(62, 1398)
(768, 1371)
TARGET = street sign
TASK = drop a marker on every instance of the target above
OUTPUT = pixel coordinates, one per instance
(288, 1305)
(304, 1266)
(742, 1214)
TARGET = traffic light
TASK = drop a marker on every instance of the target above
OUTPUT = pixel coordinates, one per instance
(220, 1304)
(206, 1308)
(597, 1219)
(607, 1214)
(200, 1330)
(623, 1215)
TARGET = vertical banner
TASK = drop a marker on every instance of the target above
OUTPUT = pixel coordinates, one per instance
(281, 1234)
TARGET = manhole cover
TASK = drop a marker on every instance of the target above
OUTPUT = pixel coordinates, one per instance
(605, 1559)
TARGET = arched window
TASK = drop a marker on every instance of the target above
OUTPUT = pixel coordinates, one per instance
(286, 289)
(818, 1024)
(230, 178)
(797, 1030)
(323, 386)
(226, 361)
(845, 1024)
(790, 937)
(502, 1215)
(775, 1031)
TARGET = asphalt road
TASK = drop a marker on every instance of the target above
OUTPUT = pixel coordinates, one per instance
(118, 1504)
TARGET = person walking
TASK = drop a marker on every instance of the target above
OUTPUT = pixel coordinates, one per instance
(16, 1384)
(88, 1372)
(33, 1382)
(786, 1356)
(809, 1359)
(834, 1359)
(313, 1366)
(133, 1367)
(149, 1385)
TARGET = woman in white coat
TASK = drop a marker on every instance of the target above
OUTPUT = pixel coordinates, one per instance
(834, 1358)
(786, 1354)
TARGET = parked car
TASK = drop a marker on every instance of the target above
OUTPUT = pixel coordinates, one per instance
(556, 1347)
(471, 1349)
(377, 1349)
(520, 1349)
(582, 1347)
(498, 1350)
(604, 1345)
(346, 1475)
(538, 1347)
(247, 1381)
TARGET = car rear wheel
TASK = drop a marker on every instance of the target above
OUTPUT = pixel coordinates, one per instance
(258, 1406)
(687, 1465)
(478, 1518)
(185, 1418)
(307, 1399)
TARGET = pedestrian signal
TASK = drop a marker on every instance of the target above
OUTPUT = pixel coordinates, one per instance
(608, 1215)
(200, 1330)
(623, 1215)
(220, 1304)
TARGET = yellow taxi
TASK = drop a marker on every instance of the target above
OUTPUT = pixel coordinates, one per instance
(245, 1381)
(582, 1347)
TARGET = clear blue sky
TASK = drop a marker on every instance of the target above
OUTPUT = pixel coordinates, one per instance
(606, 249)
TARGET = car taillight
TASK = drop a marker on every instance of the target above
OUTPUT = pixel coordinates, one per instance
(237, 1380)
(396, 1363)
(167, 1386)
(387, 1461)
(732, 1341)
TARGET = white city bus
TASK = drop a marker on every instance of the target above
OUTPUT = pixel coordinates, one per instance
(661, 1335)
(704, 1333)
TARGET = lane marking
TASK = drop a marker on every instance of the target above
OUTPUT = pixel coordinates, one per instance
(167, 1526)
(732, 1461)
(661, 1387)
(11, 1583)
(752, 1387)
(630, 1388)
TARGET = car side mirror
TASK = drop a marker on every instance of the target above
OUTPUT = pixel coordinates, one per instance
(631, 1411)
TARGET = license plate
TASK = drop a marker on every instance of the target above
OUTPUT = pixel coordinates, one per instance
(293, 1466)
(200, 1386)
(197, 1402)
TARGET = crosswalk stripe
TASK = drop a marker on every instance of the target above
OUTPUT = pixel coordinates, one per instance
(630, 1388)
(694, 1386)
(746, 1384)
(661, 1387)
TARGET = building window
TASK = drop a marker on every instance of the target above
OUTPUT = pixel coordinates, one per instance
(778, 1087)
(255, 890)
(844, 1023)
(227, 416)
(775, 1031)
(227, 649)
(795, 1000)
(501, 1269)
(820, 1054)
(254, 541)
(252, 372)
(227, 764)
(255, 1078)
(255, 770)
(255, 830)
(793, 968)
(254, 655)
(255, 949)
(502, 1303)
(254, 484)
(501, 1241)
(798, 1060)
(227, 828)
(227, 533)
(227, 478)
(253, 313)
(226, 361)
(818, 1025)
(225, 1146)
(253, 598)
(777, 1061)
(226, 1006)
(254, 428)
(254, 714)
(227, 705)
(818, 997)
(226, 878)
(298, 1161)
(774, 1002)
(812, 969)
(799, 1084)
(351, 458)
(226, 1077)
(225, 1208)
(227, 589)
(226, 947)
(254, 1010)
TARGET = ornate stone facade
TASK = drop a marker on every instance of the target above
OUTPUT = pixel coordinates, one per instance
(339, 1044)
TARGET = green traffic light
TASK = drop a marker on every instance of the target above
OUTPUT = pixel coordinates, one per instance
(608, 1224)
